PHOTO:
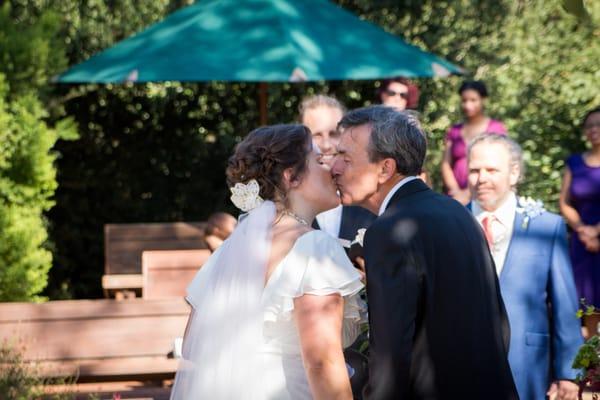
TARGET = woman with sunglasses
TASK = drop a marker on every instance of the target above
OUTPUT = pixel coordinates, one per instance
(580, 205)
(399, 93)
(402, 94)
(473, 95)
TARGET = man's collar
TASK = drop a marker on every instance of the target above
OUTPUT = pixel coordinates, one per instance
(391, 193)
(505, 213)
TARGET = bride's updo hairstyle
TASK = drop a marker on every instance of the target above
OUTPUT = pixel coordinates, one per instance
(265, 153)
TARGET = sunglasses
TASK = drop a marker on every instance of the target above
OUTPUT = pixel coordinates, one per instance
(392, 93)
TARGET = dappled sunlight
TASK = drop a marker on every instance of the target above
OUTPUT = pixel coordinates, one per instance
(404, 231)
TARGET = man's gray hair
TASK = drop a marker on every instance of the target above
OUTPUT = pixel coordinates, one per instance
(319, 100)
(515, 151)
(394, 134)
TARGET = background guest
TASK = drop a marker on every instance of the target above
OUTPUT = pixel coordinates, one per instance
(218, 228)
(529, 247)
(399, 93)
(321, 114)
(402, 94)
(473, 95)
(580, 205)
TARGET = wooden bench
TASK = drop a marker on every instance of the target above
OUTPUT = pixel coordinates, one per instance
(98, 339)
(167, 273)
(125, 243)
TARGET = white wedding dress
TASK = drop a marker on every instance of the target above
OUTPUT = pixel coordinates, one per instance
(316, 265)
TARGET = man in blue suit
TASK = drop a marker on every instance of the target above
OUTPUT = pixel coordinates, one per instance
(529, 248)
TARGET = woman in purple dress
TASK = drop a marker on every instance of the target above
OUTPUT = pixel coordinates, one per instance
(580, 205)
(454, 164)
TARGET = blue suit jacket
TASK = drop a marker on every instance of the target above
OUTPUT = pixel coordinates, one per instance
(539, 293)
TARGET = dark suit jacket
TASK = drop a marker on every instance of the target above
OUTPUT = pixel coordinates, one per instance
(353, 219)
(438, 327)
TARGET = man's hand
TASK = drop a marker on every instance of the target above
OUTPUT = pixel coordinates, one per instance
(563, 390)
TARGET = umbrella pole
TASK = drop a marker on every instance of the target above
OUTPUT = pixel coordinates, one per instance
(262, 101)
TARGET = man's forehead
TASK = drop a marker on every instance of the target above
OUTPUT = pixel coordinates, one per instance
(346, 143)
(355, 135)
(494, 150)
(489, 154)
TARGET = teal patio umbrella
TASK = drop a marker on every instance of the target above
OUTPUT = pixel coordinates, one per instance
(259, 41)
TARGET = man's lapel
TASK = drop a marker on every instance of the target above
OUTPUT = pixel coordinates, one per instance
(315, 224)
(347, 220)
(518, 233)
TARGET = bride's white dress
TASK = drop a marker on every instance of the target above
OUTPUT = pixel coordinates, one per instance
(316, 265)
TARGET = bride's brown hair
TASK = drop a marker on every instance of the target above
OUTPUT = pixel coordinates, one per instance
(265, 153)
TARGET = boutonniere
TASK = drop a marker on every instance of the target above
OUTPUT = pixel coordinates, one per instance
(360, 236)
(530, 208)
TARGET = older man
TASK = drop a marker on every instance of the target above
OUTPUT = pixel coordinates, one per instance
(438, 327)
(321, 115)
(529, 246)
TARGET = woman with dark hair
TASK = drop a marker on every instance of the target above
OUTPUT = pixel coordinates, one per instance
(580, 205)
(473, 95)
(275, 304)
(399, 93)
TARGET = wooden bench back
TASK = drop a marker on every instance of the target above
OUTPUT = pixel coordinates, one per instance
(167, 273)
(124, 243)
(95, 338)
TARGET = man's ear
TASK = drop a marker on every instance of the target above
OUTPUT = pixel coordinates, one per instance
(387, 169)
(288, 179)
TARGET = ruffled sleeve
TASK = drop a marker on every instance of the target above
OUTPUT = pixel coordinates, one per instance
(497, 127)
(328, 269)
(317, 265)
(453, 132)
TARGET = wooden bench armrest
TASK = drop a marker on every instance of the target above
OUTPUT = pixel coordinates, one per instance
(122, 281)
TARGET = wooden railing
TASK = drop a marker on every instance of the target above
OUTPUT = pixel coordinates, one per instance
(98, 339)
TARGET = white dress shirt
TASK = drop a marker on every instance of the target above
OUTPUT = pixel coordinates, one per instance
(502, 227)
(330, 221)
(391, 193)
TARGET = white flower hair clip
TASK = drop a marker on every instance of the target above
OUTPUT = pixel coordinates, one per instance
(245, 196)
(530, 208)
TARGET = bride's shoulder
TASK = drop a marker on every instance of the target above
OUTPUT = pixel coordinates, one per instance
(318, 248)
(321, 240)
(325, 266)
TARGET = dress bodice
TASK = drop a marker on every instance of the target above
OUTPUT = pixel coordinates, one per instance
(316, 265)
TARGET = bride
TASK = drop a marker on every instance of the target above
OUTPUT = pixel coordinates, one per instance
(275, 304)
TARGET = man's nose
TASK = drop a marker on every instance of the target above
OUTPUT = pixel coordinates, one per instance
(335, 167)
(483, 176)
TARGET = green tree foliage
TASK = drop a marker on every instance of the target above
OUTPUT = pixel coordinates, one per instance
(156, 152)
(27, 183)
(539, 61)
(27, 172)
